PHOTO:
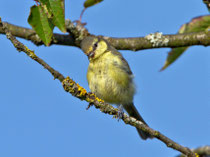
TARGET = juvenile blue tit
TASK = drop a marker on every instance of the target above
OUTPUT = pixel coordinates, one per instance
(109, 76)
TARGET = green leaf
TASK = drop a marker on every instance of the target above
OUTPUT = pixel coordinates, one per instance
(89, 3)
(55, 11)
(197, 24)
(173, 55)
(40, 22)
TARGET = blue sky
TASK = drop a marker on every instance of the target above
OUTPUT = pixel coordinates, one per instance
(38, 118)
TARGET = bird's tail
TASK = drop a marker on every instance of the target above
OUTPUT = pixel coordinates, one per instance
(132, 111)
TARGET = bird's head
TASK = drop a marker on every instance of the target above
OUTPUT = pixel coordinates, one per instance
(93, 47)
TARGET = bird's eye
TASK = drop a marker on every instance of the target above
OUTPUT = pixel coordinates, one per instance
(95, 45)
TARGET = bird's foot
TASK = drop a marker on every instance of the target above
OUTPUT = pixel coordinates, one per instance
(90, 105)
(120, 112)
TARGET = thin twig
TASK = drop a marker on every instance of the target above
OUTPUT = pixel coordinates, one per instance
(203, 151)
(21, 47)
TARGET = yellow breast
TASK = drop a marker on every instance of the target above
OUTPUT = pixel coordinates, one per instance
(109, 78)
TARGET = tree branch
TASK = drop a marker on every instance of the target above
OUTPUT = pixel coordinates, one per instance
(76, 90)
(201, 151)
(134, 44)
(21, 47)
(29, 34)
(171, 41)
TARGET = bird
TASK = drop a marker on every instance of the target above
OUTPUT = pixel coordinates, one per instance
(110, 78)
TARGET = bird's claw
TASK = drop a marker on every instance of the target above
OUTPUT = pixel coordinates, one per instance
(120, 112)
(90, 104)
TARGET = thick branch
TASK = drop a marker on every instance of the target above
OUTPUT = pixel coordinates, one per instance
(201, 151)
(79, 92)
(31, 35)
(138, 43)
(172, 41)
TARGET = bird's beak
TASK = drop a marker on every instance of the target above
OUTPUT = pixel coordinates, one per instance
(91, 54)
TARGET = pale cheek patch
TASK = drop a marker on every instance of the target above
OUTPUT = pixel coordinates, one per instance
(102, 46)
